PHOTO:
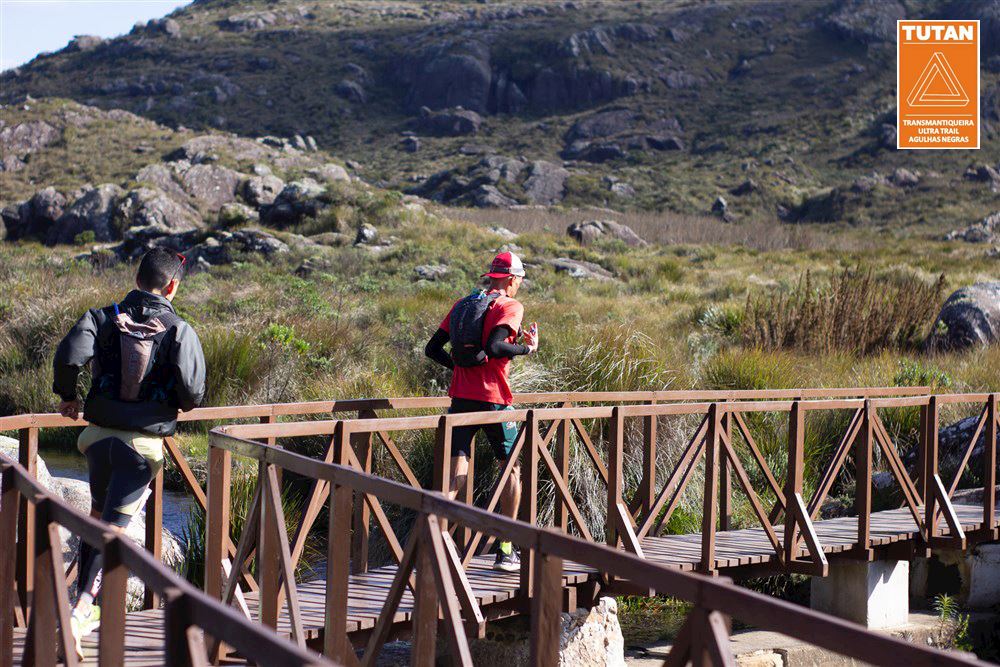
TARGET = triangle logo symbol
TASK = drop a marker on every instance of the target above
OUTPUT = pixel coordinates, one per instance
(937, 86)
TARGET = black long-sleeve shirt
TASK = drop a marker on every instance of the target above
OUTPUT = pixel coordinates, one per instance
(496, 346)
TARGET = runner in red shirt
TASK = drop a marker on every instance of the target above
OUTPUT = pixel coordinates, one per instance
(479, 381)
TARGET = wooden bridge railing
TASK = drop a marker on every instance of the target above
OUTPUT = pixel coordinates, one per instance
(430, 567)
(722, 424)
(190, 615)
(28, 427)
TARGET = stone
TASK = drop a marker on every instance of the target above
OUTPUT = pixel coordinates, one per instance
(352, 91)
(592, 230)
(864, 21)
(502, 232)
(592, 637)
(146, 206)
(84, 43)
(448, 122)
(601, 124)
(19, 141)
(36, 217)
(457, 76)
(93, 211)
(720, 206)
(665, 143)
(746, 187)
(227, 247)
(875, 595)
(330, 173)
(488, 196)
(367, 235)
(10, 447)
(410, 144)
(580, 269)
(969, 318)
(235, 214)
(596, 152)
(261, 190)
(904, 178)
(296, 201)
(211, 185)
(546, 183)
(624, 190)
(984, 173)
(431, 272)
(162, 177)
(248, 21)
(166, 26)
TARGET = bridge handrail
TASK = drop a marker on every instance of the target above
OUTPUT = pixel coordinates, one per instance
(927, 499)
(186, 607)
(546, 549)
(28, 426)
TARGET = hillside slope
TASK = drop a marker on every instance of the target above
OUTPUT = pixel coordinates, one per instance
(664, 105)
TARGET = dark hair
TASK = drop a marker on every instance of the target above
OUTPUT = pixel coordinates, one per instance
(158, 267)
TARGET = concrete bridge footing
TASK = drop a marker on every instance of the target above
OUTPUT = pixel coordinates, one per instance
(974, 576)
(876, 594)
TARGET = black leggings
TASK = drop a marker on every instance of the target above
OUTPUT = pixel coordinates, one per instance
(118, 477)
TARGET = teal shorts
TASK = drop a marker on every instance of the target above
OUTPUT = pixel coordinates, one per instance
(502, 436)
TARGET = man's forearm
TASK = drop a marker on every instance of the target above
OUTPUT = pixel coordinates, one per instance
(435, 349)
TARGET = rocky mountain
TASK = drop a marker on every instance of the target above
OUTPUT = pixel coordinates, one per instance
(773, 110)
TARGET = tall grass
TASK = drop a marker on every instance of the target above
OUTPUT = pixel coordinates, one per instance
(859, 311)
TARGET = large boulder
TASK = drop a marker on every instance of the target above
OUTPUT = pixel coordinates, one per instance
(36, 217)
(601, 124)
(970, 317)
(211, 185)
(865, 21)
(587, 638)
(458, 77)
(488, 196)
(595, 230)
(546, 183)
(297, 201)
(146, 206)
(261, 190)
(448, 123)
(580, 269)
(17, 142)
(162, 177)
(981, 231)
(227, 247)
(93, 211)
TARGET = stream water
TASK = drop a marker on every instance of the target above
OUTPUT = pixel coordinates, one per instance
(177, 505)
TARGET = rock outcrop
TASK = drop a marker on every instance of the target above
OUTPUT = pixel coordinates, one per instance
(448, 122)
(93, 211)
(546, 183)
(969, 318)
(865, 21)
(596, 230)
(19, 141)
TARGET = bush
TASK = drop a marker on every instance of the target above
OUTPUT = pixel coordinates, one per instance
(858, 312)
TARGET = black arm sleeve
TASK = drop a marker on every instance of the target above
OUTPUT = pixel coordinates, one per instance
(435, 349)
(497, 345)
(74, 352)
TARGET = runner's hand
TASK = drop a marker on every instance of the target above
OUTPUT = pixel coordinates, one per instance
(69, 409)
(531, 338)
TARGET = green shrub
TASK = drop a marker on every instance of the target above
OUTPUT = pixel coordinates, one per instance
(858, 311)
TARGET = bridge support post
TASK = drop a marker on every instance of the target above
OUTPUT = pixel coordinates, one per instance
(875, 594)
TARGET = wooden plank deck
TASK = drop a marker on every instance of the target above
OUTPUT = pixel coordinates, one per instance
(735, 548)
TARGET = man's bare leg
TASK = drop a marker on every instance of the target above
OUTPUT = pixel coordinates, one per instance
(459, 474)
(510, 500)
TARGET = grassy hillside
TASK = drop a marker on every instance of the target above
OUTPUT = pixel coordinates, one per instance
(792, 96)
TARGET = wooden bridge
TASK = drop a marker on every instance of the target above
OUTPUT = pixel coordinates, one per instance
(439, 576)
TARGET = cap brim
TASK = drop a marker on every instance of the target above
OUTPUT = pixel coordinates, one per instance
(501, 275)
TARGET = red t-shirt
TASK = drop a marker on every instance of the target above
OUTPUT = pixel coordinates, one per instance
(488, 382)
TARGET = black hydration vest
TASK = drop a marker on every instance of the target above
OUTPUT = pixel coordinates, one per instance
(466, 328)
(128, 366)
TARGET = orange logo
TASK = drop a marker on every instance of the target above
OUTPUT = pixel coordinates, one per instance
(937, 84)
